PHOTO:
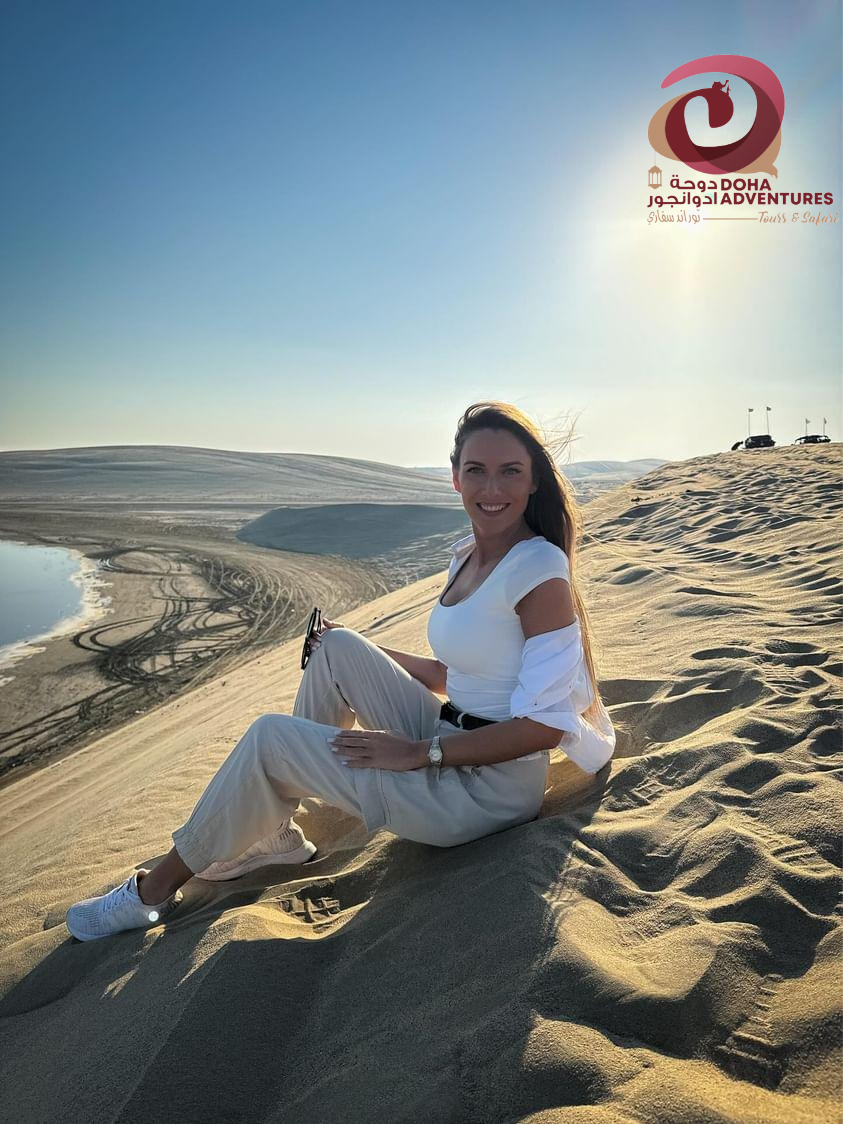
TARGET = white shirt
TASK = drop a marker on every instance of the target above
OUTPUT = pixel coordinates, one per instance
(495, 673)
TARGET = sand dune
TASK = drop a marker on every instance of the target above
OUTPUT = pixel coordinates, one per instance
(661, 944)
(164, 472)
(406, 541)
(355, 530)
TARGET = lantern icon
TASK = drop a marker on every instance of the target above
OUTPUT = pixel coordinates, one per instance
(655, 177)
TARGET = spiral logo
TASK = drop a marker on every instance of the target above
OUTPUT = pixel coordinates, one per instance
(755, 152)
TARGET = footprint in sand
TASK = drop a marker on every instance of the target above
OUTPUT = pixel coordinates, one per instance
(749, 1052)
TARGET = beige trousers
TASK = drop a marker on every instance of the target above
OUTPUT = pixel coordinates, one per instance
(282, 758)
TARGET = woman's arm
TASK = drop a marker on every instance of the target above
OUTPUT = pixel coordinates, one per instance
(429, 672)
(489, 745)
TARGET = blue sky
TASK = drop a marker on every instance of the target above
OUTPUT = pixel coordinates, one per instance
(329, 227)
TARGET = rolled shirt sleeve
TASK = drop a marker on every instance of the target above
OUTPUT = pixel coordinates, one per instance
(554, 688)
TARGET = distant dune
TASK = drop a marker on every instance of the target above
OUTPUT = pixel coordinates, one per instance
(355, 530)
(172, 474)
(662, 944)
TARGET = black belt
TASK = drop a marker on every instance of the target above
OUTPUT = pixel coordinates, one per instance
(462, 718)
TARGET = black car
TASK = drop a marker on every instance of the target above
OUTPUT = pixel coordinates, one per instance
(759, 441)
(812, 439)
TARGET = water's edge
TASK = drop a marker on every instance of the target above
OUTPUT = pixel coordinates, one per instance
(94, 603)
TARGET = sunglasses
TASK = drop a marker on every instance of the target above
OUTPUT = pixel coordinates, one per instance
(314, 627)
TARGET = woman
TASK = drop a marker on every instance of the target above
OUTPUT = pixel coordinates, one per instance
(512, 652)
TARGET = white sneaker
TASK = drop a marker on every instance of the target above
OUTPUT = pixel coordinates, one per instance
(117, 910)
(287, 845)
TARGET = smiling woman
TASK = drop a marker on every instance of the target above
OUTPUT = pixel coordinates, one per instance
(512, 652)
(514, 493)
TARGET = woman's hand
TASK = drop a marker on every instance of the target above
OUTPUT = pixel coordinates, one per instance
(326, 625)
(379, 749)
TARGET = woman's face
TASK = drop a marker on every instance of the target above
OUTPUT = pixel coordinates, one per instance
(495, 479)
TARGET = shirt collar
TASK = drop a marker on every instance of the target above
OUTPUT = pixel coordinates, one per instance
(462, 545)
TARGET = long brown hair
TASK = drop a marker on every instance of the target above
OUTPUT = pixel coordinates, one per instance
(552, 510)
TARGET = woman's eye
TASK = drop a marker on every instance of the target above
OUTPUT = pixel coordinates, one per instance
(477, 468)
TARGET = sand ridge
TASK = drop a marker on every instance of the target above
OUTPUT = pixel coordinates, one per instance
(661, 944)
(132, 474)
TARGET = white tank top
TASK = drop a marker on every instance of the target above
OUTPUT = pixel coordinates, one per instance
(480, 639)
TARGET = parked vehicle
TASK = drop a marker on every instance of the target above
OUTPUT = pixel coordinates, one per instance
(759, 441)
(812, 439)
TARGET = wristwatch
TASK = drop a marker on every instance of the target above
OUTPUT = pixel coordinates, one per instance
(434, 752)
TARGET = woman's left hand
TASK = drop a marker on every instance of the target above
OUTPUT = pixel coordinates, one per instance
(378, 749)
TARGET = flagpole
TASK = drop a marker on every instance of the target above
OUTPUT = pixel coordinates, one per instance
(767, 408)
(748, 426)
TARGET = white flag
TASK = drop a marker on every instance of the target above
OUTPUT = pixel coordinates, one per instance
(749, 410)
(768, 407)
(825, 421)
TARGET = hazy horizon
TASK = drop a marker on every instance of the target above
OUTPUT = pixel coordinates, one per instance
(328, 230)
